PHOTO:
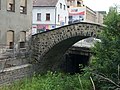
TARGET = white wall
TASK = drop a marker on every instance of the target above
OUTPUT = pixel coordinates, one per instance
(54, 11)
(63, 13)
(43, 11)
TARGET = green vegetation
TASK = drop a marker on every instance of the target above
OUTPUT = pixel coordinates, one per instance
(53, 81)
(104, 68)
(105, 65)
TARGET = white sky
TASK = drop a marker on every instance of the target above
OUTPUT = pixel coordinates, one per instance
(101, 5)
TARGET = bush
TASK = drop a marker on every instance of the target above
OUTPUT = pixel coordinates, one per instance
(53, 81)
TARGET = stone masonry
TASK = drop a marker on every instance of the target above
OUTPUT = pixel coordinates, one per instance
(9, 75)
(14, 66)
(49, 46)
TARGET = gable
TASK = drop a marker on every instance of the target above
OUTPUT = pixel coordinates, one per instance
(61, 1)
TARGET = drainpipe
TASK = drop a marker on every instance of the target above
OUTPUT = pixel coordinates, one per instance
(55, 15)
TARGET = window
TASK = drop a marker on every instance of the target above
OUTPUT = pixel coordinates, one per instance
(58, 18)
(38, 16)
(11, 5)
(47, 16)
(61, 5)
(23, 6)
(65, 19)
(10, 39)
(0, 34)
(22, 44)
(22, 39)
(70, 17)
(64, 7)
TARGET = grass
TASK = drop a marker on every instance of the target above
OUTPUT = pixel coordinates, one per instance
(52, 81)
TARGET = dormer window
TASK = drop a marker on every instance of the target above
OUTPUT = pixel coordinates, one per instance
(11, 5)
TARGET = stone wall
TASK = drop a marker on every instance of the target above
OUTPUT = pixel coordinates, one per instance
(14, 66)
(12, 74)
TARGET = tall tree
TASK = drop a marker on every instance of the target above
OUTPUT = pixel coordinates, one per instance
(106, 60)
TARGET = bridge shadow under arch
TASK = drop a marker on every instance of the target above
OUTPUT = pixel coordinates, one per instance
(54, 58)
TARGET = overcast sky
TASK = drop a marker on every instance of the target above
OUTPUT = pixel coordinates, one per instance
(101, 5)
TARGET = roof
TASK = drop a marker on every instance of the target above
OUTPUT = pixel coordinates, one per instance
(45, 2)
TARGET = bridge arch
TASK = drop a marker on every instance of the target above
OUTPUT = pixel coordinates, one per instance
(49, 47)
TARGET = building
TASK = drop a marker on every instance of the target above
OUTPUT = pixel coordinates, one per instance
(79, 12)
(15, 22)
(74, 3)
(84, 14)
(100, 16)
(49, 14)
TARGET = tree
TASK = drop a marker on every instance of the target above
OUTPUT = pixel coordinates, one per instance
(107, 52)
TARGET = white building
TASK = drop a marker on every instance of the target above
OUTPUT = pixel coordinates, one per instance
(49, 14)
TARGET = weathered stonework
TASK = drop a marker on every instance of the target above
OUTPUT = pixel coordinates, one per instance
(51, 45)
(14, 66)
(9, 75)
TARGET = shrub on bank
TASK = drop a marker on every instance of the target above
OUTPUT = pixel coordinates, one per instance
(52, 81)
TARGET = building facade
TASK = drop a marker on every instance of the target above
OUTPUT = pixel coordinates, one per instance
(90, 15)
(100, 16)
(15, 22)
(74, 3)
(49, 15)
(78, 12)
(81, 14)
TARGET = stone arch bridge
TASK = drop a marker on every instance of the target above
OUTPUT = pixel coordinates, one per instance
(49, 47)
